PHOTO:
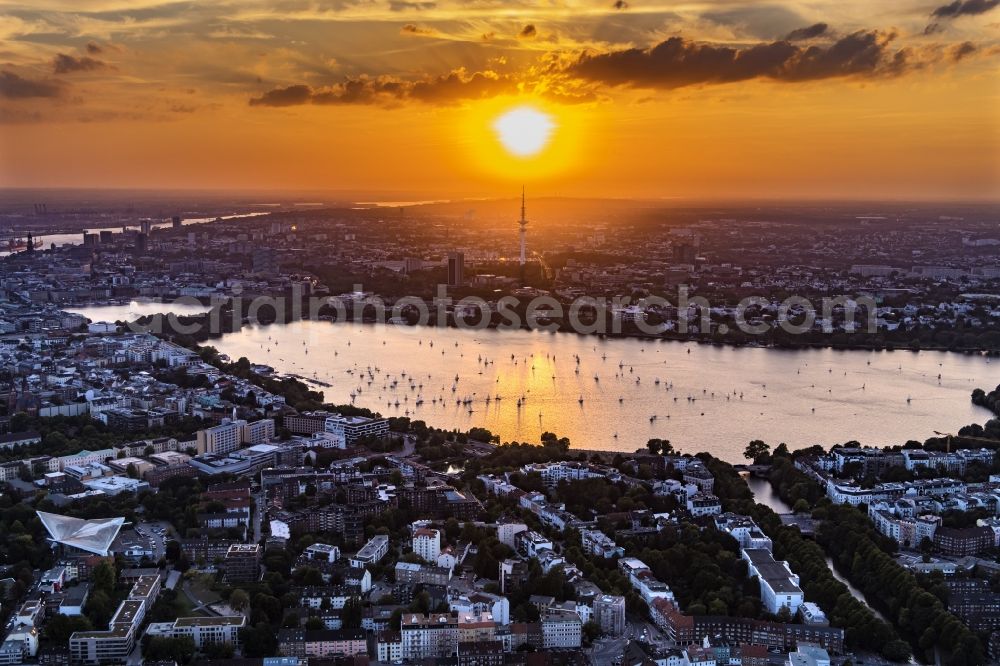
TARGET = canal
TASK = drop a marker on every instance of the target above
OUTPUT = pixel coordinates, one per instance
(764, 493)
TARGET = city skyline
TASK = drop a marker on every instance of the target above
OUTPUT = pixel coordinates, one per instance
(648, 100)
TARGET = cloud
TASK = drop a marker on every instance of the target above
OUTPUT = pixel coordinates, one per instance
(528, 32)
(964, 8)
(809, 32)
(448, 88)
(620, 5)
(454, 87)
(67, 64)
(13, 86)
(678, 62)
(958, 8)
(288, 96)
(414, 29)
(963, 50)
(402, 5)
(93, 48)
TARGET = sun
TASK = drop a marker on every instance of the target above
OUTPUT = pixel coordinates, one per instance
(524, 131)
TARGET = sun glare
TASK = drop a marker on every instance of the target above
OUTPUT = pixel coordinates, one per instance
(524, 131)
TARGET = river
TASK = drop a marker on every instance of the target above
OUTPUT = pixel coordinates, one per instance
(615, 394)
(76, 237)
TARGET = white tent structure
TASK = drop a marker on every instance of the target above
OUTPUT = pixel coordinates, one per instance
(92, 536)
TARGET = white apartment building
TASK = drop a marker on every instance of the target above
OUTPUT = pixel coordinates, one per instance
(703, 504)
(532, 544)
(507, 531)
(744, 530)
(598, 543)
(371, 552)
(322, 552)
(908, 531)
(427, 544)
(779, 587)
(553, 473)
(349, 429)
(204, 631)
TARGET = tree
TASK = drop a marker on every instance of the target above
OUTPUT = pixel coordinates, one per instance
(103, 578)
(755, 450)
(352, 614)
(896, 650)
(59, 627)
(654, 446)
(162, 648)
(239, 600)
(259, 640)
(486, 566)
(592, 631)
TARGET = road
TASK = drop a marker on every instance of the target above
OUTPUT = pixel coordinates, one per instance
(606, 651)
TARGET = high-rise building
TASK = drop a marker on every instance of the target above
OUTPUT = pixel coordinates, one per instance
(140, 243)
(175, 222)
(685, 253)
(456, 269)
(242, 563)
(258, 432)
(223, 438)
(523, 224)
(609, 613)
(427, 544)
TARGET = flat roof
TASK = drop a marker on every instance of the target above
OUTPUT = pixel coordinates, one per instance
(225, 620)
(775, 574)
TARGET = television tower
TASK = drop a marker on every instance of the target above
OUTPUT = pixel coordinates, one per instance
(523, 223)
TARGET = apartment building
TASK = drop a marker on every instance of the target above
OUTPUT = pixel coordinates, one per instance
(350, 429)
(779, 587)
(429, 636)
(609, 613)
(427, 544)
(204, 631)
(371, 552)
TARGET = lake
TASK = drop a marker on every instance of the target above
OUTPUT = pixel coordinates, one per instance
(616, 394)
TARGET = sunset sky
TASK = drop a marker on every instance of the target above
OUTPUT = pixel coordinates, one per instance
(646, 98)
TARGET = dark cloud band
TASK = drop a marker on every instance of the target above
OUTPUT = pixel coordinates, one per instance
(13, 86)
(678, 62)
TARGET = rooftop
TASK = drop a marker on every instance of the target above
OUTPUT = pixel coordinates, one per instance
(94, 536)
